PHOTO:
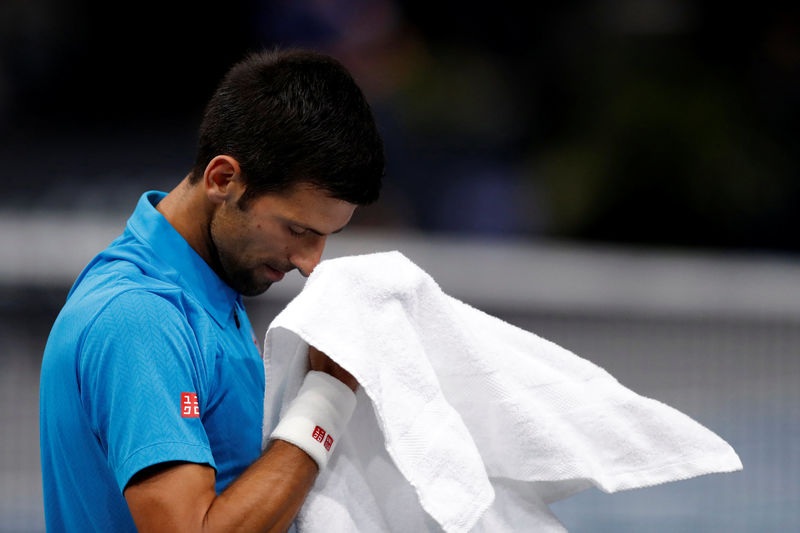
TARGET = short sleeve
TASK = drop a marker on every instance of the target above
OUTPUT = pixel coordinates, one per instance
(144, 383)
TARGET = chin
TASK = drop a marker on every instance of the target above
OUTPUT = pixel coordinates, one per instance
(251, 290)
(247, 285)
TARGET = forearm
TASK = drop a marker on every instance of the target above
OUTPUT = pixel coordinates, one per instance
(267, 496)
(180, 497)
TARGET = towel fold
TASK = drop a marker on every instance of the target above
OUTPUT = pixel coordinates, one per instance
(464, 422)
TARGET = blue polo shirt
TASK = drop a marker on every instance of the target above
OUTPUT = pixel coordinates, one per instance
(152, 359)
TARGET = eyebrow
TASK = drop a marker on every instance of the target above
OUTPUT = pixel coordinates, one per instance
(317, 232)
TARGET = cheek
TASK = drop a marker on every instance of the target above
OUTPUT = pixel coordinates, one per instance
(268, 240)
(265, 242)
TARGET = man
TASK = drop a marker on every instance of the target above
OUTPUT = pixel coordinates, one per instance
(152, 385)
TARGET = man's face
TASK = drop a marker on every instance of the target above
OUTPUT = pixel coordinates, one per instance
(276, 233)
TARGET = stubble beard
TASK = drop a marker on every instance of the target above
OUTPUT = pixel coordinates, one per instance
(230, 270)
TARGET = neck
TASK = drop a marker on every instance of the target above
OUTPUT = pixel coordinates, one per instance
(188, 210)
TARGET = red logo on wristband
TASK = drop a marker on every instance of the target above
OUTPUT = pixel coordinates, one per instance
(318, 434)
(190, 408)
(328, 443)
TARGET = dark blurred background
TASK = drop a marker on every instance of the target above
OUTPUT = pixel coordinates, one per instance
(618, 176)
(634, 121)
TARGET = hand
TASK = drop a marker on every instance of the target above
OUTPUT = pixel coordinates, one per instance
(323, 363)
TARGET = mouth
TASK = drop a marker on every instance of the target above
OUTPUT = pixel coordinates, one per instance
(273, 274)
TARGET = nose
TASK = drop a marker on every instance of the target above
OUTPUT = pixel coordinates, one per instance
(308, 256)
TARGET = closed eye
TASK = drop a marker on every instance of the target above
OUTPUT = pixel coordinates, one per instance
(296, 231)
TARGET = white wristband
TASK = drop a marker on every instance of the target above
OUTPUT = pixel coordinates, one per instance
(317, 416)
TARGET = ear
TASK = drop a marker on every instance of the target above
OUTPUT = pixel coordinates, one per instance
(222, 179)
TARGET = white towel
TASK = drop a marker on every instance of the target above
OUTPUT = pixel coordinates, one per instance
(464, 422)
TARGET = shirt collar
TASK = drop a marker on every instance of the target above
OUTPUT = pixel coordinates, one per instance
(180, 262)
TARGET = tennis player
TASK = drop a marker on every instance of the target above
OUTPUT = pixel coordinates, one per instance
(152, 382)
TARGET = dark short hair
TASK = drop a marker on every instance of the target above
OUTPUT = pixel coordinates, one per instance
(289, 117)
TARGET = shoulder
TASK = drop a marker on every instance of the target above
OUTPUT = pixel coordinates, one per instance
(140, 307)
(123, 298)
(156, 326)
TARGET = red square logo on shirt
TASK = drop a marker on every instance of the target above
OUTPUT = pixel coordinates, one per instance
(318, 434)
(190, 408)
(328, 443)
